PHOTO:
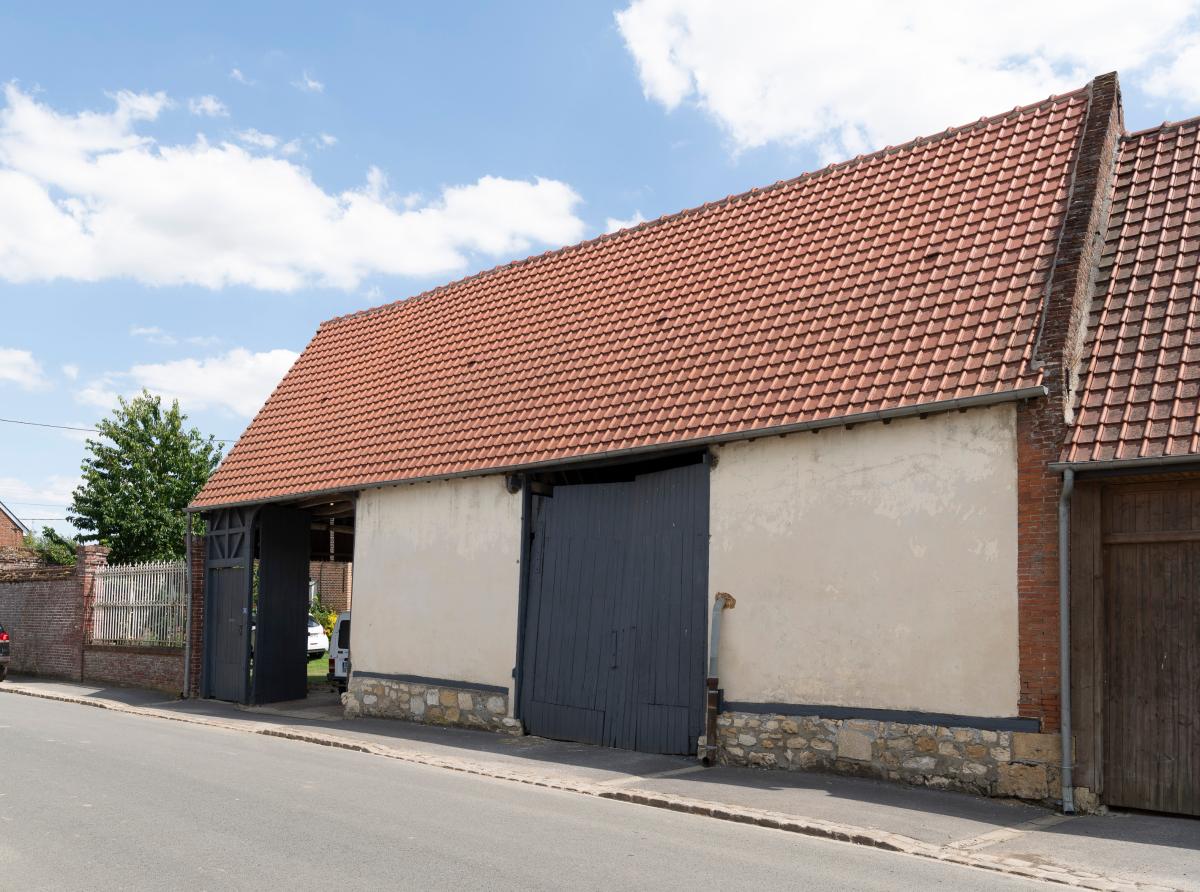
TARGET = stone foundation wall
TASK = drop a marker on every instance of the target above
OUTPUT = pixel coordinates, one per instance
(991, 763)
(430, 704)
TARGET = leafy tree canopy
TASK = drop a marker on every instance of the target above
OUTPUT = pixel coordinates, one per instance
(52, 547)
(139, 477)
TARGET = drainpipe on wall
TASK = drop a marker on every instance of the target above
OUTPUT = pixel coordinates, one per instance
(1064, 639)
(723, 601)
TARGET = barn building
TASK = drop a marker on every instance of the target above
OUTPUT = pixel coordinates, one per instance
(783, 480)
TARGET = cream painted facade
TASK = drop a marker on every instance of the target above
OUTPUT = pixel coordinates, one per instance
(872, 567)
(437, 580)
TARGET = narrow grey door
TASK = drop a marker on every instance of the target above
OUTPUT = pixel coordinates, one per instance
(615, 624)
(228, 624)
(228, 562)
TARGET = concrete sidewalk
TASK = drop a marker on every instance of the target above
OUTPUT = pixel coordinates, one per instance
(1117, 851)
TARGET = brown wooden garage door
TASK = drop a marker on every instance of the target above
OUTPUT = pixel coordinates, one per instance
(1151, 621)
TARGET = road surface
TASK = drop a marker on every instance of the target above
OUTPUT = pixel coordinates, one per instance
(93, 799)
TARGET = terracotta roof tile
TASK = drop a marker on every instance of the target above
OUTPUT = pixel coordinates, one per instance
(1137, 399)
(905, 277)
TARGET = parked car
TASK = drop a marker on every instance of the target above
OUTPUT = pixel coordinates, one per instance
(4, 653)
(318, 641)
(339, 652)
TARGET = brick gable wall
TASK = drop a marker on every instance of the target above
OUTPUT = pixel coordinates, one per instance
(11, 535)
(1043, 425)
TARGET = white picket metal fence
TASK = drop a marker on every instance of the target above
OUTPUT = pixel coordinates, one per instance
(140, 605)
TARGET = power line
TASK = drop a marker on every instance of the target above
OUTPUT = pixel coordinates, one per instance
(67, 427)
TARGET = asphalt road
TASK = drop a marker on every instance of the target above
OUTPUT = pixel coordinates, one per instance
(91, 799)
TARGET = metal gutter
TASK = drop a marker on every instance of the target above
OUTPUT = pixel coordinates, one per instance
(1064, 641)
(921, 409)
(1113, 464)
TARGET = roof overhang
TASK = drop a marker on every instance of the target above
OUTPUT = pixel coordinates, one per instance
(919, 410)
(1115, 466)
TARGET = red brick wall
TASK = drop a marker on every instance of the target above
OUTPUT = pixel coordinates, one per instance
(199, 550)
(11, 535)
(46, 612)
(1042, 424)
(158, 668)
(44, 618)
(43, 610)
(19, 559)
(334, 583)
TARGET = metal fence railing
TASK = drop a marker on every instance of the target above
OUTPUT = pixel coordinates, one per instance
(140, 605)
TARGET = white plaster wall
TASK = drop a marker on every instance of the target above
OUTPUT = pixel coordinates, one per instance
(873, 567)
(437, 579)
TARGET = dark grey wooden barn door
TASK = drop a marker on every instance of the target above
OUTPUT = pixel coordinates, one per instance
(281, 640)
(615, 625)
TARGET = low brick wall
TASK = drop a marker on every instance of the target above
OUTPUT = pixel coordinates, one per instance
(142, 667)
(429, 704)
(1012, 764)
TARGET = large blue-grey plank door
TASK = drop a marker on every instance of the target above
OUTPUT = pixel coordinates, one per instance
(281, 638)
(615, 624)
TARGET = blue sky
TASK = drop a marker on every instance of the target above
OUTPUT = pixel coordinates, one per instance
(185, 194)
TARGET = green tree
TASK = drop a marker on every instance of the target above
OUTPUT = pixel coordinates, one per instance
(52, 547)
(138, 479)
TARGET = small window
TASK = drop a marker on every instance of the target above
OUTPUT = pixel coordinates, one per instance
(344, 635)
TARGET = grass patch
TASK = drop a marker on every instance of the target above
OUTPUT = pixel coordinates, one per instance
(318, 668)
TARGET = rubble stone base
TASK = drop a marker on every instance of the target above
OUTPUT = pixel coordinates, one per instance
(991, 763)
(441, 705)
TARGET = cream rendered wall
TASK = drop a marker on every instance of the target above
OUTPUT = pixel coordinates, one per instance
(873, 567)
(437, 579)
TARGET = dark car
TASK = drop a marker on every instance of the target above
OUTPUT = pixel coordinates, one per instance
(3, 653)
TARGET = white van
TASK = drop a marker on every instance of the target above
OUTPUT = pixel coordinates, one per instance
(339, 652)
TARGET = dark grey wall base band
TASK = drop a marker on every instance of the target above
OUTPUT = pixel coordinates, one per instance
(434, 682)
(904, 716)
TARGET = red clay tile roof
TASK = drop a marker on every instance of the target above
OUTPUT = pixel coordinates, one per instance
(906, 277)
(1140, 396)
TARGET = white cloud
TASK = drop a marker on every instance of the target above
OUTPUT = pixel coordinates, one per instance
(208, 106)
(309, 84)
(71, 370)
(258, 139)
(1178, 77)
(853, 76)
(153, 334)
(327, 139)
(237, 382)
(27, 499)
(20, 368)
(236, 75)
(612, 224)
(88, 197)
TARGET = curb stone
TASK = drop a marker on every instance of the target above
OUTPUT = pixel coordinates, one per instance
(847, 833)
